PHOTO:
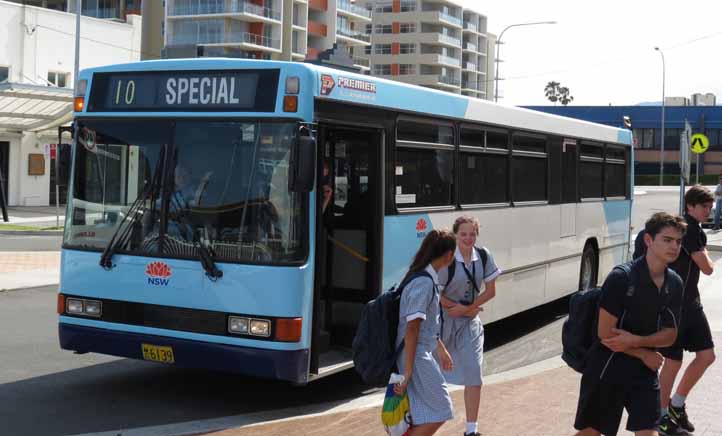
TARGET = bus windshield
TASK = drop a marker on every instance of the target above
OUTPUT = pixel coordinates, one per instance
(224, 185)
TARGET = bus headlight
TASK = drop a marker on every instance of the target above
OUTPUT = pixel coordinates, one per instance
(260, 327)
(93, 308)
(237, 324)
(74, 306)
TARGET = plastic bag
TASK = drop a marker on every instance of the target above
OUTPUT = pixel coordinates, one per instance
(396, 413)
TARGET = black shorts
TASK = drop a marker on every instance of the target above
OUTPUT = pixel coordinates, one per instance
(694, 334)
(601, 404)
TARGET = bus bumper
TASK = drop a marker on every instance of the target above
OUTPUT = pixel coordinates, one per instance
(277, 364)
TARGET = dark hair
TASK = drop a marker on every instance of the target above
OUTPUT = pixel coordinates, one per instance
(698, 194)
(661, 220)
(436, 244)
(465, 219)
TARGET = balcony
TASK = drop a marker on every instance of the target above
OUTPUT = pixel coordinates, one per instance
(471, 27)
(224, 38)
(349, 7)
(235, 7)
(436, 59)
(362, 62)
(319, 5)
(317, 29)
(471, 47)
(470, 66)
(443, 16)
(353, 34)
(449, 80)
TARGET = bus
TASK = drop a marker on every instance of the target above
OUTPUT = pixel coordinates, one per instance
(236, 215)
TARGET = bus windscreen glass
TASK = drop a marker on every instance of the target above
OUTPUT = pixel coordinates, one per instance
(179, 91)
(226, 187)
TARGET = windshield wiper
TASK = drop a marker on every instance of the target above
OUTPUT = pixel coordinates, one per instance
(120, 238)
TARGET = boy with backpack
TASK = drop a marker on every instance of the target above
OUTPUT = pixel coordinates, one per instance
(638, 312)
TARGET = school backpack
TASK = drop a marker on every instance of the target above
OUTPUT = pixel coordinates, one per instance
(579, 332)
(640, 248)
(452, 267)
(374, 345)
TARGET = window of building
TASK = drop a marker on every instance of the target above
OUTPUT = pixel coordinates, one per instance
(424, 164)
(58, 79)
(382, 69)
(408, 5)
(407, 28)
(4, 74)
(712, 134)
(384, 8)
(367, 49)
(430, 133)
(406, 69)
(384, 28)
(591, 171)
(382, 49)
(529, 168)
(407, 48)
(615, 172)
(369, 29)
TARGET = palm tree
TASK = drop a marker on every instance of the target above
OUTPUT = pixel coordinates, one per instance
(564, 97)
(552, 91)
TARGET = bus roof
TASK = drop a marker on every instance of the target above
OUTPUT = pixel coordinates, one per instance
(339, 85)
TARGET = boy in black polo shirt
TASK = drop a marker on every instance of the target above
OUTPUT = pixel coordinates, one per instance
(638, 313)
(694, 332)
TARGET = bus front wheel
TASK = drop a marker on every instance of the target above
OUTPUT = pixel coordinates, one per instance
(588, 273)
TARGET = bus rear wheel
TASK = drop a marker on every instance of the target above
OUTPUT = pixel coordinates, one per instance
(588, 271)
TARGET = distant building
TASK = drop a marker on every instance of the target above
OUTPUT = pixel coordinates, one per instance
(646, 128)
(36, 81)
(103, 9)
(433, 43)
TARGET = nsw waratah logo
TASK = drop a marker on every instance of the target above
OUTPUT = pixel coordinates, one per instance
(158, 273)
(421, 227)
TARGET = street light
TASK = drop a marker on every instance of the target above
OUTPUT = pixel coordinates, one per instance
(661, 155)
(498, 43)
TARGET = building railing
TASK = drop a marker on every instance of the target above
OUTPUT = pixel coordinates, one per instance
(450, 18)
(234, 7)
(471, 26)
(471, 46)
(449, 39)
(470, 66)
(362, 61)
(223, 38)
(103, 13)
(354, 9)
(449, 60)
(449, 80)
(350, 33)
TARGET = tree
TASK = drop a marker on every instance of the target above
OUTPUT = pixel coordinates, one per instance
(557, 93)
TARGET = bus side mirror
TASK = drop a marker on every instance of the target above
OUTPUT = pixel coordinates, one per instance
(302, 168)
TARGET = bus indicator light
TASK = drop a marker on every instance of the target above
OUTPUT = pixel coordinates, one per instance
(78, 104)
(288, 329)
(61, 304)
(293, 85)
(290, 103)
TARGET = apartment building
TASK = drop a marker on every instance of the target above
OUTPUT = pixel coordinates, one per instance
(433, 43)
(104, 9)
(255, 28)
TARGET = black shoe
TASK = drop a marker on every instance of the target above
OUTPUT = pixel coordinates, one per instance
(679, 414)
(668, 427)
(472, 434)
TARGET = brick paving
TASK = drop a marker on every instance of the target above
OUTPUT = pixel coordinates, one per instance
(540, 405)
(19, 261)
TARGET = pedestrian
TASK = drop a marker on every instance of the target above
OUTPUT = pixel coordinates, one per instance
(694, 332)
(420, 326)
(638, 313)
(717, 203)
(471, 285)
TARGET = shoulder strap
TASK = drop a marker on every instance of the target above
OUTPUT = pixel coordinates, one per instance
(450, 272)
(452, 267)
(482, 255)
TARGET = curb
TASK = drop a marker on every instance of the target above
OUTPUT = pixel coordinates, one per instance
(717, 248)
(31, 232)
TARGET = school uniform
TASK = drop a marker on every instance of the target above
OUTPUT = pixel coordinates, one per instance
(464, 336)
(614, 381)
(429, 398)
(694, 330)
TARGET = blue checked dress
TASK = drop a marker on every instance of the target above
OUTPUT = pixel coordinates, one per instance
(429, 398)
(464, 336)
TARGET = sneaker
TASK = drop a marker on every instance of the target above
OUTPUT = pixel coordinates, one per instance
(668, 427)
(472, 434)
(680, 415)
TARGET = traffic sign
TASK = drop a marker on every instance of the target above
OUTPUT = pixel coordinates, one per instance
(700, 143)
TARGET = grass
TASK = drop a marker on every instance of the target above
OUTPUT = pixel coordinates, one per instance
(20, 228)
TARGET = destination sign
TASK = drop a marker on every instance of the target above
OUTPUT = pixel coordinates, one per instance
(175, 91)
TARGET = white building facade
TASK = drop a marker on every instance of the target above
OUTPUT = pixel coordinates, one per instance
(36, 81)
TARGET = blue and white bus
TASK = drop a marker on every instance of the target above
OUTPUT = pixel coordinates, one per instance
(197, 233)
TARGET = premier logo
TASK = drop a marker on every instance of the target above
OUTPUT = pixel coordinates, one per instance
(158, 273)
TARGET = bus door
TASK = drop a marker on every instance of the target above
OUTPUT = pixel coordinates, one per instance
(570, 197)
(348, 260)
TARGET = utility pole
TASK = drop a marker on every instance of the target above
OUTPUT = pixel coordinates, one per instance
(151, 41)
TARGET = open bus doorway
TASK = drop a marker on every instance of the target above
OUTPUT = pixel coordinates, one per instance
(348, 254)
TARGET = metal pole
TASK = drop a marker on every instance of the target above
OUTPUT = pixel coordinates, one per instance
(696, 177)
(661, 155)
(498, 43)
(681, 196)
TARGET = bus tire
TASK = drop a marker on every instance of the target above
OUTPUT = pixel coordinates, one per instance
(589, 268)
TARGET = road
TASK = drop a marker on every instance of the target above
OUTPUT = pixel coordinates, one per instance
(50, 242)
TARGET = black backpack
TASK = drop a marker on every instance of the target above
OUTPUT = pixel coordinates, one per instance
(579, 332)
(640, 248)
(374, 346)
(452, 267)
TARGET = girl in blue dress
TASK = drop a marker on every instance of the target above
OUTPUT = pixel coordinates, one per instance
(472, 285)
(420, 328)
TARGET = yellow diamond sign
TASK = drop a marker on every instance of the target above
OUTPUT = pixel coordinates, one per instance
(699, 143)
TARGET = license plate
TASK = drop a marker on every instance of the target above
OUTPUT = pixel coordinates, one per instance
(157, 353)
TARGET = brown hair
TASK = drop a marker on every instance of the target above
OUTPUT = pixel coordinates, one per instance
(698, 194)
(464, 219)
(660, 220)
(436, 244)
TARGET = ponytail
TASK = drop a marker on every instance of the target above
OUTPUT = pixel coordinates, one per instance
(436, 244)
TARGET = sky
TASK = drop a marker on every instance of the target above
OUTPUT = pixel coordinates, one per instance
(603, 50)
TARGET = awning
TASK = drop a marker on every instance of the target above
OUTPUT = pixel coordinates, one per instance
(26, 107)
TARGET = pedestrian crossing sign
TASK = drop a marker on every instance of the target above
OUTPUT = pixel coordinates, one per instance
(699, 143)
